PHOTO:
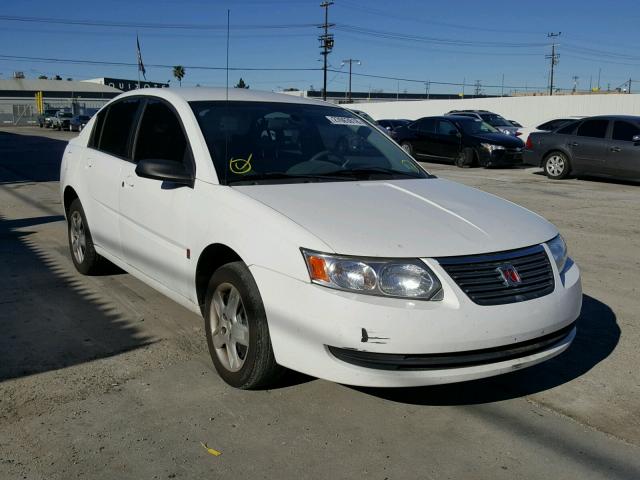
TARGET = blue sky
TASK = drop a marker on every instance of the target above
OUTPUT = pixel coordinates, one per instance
(449, 41)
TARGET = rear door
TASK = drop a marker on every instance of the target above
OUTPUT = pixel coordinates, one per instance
(589, 146)
(447, 140)
(155, 214)
(108, 151)
(623, 159)
(424, 145)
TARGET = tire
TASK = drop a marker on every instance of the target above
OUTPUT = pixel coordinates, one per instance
(242, 330)
(466, 158)
(556, 166)
(407, 147)
(83, 253)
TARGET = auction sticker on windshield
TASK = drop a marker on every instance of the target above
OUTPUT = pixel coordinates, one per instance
(346, 121)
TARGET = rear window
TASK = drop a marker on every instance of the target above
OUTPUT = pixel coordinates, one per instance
(568, 129)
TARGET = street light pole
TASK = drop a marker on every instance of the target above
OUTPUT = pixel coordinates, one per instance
(350, 61)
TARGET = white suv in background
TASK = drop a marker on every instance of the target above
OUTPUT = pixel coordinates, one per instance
(310, 240)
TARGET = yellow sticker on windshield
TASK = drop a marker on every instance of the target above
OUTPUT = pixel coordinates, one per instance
(240, 166)
(409, 165)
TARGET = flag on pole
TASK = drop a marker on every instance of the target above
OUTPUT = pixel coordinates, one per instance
(140, 64)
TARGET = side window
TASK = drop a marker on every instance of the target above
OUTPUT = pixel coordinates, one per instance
(625, 131)
(593, 128)
(118, 125)
(426, 125)
(568, 129)
(160, 135)
(97, 129)
(446, 128)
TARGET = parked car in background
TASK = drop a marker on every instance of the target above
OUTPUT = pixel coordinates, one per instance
(391, 125)
(255, 210)
(515, 124)
(497, 121)
(78, 122)
(547, 126)
(45, 119)
(462, 140)
(606, 146)
(61, 120)
(366, 116)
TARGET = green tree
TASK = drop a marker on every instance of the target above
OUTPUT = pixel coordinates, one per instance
(241, 84)
(43, 77)
(179, 72)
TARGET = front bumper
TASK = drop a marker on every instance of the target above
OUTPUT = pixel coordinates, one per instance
(306, 321)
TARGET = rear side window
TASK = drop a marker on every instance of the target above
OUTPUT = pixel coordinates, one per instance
(97, 129)
(552, 124)
(593, 128)
(160, 135)
(118, 125)
(568, 129)
(625, 131)
(446, 128)
(426, 125)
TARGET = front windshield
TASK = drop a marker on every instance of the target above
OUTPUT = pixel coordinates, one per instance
(473, 127)
(264, 142)
(496, 120)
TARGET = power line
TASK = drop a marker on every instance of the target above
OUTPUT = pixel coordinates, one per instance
(183, 26)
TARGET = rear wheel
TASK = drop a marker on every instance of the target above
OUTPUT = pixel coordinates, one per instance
(237, 330)
(84, 256)
(556, 165)
(407, 147)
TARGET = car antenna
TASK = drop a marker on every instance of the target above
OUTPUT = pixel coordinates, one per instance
(226, 135)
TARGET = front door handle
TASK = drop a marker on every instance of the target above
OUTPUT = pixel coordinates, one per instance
(574, 144)
(615, 149)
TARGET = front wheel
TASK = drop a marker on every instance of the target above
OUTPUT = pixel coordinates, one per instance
(465, 158)
(556, 166)
(237, 330)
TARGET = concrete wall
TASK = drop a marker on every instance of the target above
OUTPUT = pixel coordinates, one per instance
(529, 111)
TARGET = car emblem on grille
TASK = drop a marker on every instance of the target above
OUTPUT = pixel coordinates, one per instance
(509, 274)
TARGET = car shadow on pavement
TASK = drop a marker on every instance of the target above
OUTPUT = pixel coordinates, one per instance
(49, 317)
(29, 158)
(597, 336)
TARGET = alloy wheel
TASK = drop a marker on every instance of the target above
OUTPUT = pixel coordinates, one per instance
(230, 327)
(555, 165)
(78, 237)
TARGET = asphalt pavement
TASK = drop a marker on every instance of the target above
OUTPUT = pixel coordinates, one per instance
(103, 378)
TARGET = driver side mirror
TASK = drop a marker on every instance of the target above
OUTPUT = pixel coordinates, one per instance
(164, 170)
(636, 139)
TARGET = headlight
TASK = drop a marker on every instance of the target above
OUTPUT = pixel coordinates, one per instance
(386, 278)
(491, 147)
(559, 251)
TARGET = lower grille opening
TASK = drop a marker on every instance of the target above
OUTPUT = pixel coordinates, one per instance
(439, 361)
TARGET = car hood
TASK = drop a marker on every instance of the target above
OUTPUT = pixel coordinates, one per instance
(500, 139)
(404, 218)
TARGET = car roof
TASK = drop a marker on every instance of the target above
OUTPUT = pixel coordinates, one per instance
(195, 94)
(450, 117)
(633, 118)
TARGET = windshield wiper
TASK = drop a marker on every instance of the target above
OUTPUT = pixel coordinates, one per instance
(369, 171)
(286, 176)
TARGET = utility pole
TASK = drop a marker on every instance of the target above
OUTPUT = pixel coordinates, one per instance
(629, 89)
(554, 59)
(326, 43)
(502, 87)
(350, 61)
(427, 86)
(599, 72)
(478, 88)
(575, 83)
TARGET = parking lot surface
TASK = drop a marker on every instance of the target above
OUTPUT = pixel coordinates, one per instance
(103, 378)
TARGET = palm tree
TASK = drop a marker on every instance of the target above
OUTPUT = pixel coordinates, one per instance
(178, 72)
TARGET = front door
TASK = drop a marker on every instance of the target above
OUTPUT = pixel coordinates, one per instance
(623, 157)
(447, 140)
(155, 214)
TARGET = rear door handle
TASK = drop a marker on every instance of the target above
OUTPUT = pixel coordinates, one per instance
(615, 149)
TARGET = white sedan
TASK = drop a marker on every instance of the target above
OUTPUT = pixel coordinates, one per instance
(309, 240)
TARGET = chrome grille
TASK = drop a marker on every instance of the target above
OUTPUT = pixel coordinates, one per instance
(478, 277)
